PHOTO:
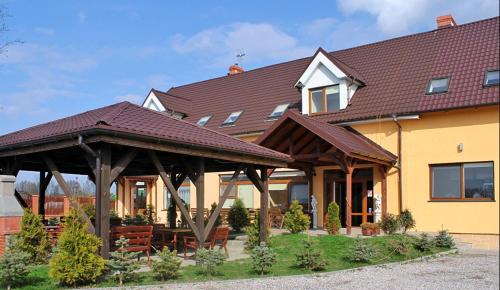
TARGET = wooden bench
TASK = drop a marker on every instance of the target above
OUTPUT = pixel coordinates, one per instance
(218, 237)
(206, 213)
(139, 238)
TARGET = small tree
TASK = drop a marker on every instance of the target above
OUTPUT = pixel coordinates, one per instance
(218, 220)
(263, 259)
(295, 219)
(252, 232)
(168, 265)
(89, 209)
(33, 239)
(333, 224)
(444, 240)
(75, 260)
(310, 257)
(208, 260)
(423, 243)
(389, 223)
(123, 262)
(406, 220)
(238, 216)
(150, 214)
(13, 267)
(361, 251)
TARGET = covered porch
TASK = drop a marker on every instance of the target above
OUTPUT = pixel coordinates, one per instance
(341, 165)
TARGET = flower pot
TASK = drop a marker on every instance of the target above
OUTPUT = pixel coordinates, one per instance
(367, 232)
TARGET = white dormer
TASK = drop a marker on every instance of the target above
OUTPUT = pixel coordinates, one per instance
(325, 86)
(152, 102)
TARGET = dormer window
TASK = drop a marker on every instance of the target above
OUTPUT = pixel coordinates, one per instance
(492, 78)
(204, 120)
(232, 118)
(278, 111)
(326, 99)
(437, 86)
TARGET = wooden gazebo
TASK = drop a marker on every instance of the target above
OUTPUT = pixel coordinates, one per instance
(129, 140)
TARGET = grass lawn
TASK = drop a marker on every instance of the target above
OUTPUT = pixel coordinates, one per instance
(286, 246)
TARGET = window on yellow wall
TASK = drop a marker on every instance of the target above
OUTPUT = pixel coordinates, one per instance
(184, 194)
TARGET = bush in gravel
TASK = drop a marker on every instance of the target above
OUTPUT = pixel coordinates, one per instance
(33, 239)
(237, 216)
(295, 219)
(406, 220)
(401, 245)
(122, 262)
(13, 267)
(263, 259)
(310, 257)
(444, 240)
(167, 266)
(208, 260)
(333, 224)
(423, 243)
(389, 223)
(361, 251)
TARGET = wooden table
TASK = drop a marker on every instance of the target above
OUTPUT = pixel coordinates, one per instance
(175, 232)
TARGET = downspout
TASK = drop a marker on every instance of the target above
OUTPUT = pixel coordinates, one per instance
(399, 167)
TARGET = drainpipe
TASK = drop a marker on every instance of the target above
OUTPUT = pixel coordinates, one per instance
(399, 167)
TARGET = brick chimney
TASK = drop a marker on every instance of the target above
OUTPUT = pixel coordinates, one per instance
(445, 21)
(235, 69)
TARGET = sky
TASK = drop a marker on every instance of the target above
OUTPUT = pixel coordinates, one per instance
(72, 56)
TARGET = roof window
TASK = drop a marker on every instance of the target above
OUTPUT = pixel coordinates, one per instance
(204, 120)
(492, 78)
(232, 118)
(278, 111)
(439, 85)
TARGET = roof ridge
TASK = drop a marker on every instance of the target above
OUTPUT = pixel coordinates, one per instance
(172, 95)
(109, 116)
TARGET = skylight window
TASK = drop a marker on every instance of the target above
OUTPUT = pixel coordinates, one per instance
(204, 120)
(437, 86)
(232, 118)
(492, 78)
(279, 110)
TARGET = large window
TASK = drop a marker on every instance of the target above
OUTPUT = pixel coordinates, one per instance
(184, 194)
(437, 86)
(325, 99)
(462, 181)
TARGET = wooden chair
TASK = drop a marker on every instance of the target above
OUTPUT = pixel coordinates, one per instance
(218, 237)
(276, 218)
(54, 233)
(160, 238)
(224, 212)
(139, 238)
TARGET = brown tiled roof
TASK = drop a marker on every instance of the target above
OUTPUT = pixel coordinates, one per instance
(396, 73)
(142, 122)
(174, 103)
(346, 141)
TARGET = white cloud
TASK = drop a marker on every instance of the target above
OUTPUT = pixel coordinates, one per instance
(158, 81)
(45, 31)
(136, 99)
(319, 27)
(260, 41)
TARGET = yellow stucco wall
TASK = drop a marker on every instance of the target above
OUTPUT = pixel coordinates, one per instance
(434, 139)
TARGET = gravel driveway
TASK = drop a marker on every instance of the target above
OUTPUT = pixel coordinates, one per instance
(471, 269)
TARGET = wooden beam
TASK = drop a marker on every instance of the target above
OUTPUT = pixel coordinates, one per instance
(122, 164)
(264, 207)
(39, 148)
(215, 214)
(173, 191)
(67, 191)
(43, 184)
(200, 200)
(348, 181)
(193, 176)
(254, 177)
(105, 184)
(20, 199)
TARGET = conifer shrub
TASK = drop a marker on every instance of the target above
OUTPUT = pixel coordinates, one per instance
(76, 261)
(237, 216)
(207, 260)
(263, 259)
(122, 262)
(444, 240)
(401, 245)
(361, 251)
(218, 220)
(295, 219)
(333, 225)
(13, 267)
(310, 258)
(406, 220)
(423, 243)
(253, 232)
(150, 214)
(89, 210)
(167, 266)
(33, 239)
(389, 223)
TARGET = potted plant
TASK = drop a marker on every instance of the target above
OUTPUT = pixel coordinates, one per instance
(114, 219)
(370, 229)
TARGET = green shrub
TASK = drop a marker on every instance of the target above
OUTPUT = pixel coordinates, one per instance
(208, 260)
(406, 220)
(53, 221)
(444, 240)
(423, 243)
(389, 223)
(401, 245)
(89, 210)
(122, 262)
(263, 259)
(75, 260)
(333, 224)
(138, 220)
(238, 216)
(295, 219)
(310, 257)
(167, 266)
(218, 220)
(172, 216)
(33, 239)
(252, 232)
(361, 251)
(13, 267)
(150, 214)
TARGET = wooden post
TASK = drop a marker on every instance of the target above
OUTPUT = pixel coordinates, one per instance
(348, 181)
(200, 200)
(105, 197)
(264, 206)
(383, 173)
(41, 196)
(98, 193)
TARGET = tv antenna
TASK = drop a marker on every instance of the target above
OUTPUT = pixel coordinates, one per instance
(240, 55)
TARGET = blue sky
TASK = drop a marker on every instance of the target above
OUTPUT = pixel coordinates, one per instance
(79, 55)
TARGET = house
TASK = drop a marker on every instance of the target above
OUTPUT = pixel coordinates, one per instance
(406, 123)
